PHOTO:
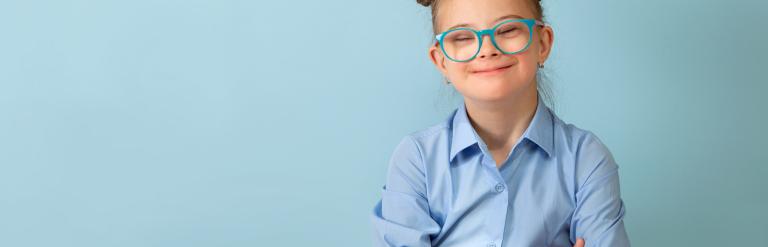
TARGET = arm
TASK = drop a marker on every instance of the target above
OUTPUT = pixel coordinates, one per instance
(402, 216)
(599, 214)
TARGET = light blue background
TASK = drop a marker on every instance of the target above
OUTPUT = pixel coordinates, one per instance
(269, 123)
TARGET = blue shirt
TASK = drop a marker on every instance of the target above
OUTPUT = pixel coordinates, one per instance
(443, 188)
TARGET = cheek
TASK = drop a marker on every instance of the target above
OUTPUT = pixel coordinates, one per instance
(457, 71)
(527, 64)
(530, 56)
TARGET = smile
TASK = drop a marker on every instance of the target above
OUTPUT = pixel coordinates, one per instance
(492, 71)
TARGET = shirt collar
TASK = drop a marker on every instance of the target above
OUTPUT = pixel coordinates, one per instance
(540, 130)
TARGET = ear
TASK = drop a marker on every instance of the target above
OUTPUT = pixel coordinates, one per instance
(438, 59)
(546, 40)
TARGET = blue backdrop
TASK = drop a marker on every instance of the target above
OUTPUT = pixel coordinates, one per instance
(270, 123)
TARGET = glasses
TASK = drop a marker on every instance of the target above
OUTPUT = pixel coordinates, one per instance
(509, 37)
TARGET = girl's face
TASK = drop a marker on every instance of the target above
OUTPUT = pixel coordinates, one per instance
(491, 75)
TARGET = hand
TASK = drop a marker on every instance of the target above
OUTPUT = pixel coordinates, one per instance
(579, 242)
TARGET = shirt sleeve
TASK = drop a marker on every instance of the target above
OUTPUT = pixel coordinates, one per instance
(401, 217)
(599, 213)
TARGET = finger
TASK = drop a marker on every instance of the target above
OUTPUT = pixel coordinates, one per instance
(579, 242)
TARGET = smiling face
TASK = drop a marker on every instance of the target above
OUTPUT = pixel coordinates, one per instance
(491, 75)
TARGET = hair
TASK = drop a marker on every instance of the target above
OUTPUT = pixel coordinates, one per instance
(542, 84)
(538, 12)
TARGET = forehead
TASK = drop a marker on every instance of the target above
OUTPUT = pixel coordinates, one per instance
(479, 14)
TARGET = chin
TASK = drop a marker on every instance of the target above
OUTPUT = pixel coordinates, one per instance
(494, 89)
(490, 93)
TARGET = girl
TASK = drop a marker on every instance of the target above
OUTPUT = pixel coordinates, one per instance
(503, 169)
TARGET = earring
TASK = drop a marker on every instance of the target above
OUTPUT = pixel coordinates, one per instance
(541, 65)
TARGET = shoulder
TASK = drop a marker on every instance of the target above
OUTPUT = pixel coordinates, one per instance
(578, 141)
(419, 143)
(423, 146)
(408, 170)
(430, 136)
(586, 153)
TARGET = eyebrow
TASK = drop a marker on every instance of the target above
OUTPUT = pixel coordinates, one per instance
(497, 20)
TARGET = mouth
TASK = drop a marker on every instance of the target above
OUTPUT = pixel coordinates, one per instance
(491, 71)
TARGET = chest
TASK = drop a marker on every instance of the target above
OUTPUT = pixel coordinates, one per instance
(525, 202)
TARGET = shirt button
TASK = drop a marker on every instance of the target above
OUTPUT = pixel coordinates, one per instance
(491, 244)
(499, 187)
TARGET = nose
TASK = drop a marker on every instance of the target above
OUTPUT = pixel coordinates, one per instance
(488, 49)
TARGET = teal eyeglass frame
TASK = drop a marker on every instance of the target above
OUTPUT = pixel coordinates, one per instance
(490, 32)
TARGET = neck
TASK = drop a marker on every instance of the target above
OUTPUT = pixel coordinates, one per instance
(501, 124)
